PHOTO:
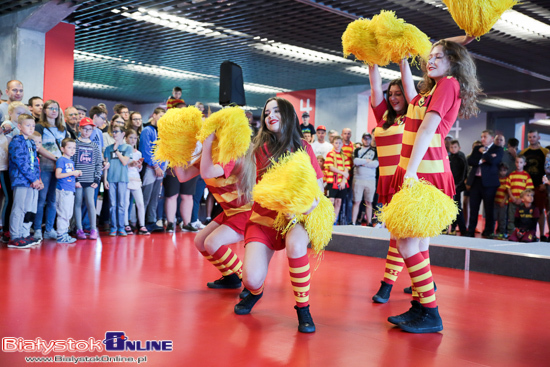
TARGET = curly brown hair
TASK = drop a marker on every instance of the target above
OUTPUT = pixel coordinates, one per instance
(463, 69)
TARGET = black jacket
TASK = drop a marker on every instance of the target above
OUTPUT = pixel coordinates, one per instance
(489, 168)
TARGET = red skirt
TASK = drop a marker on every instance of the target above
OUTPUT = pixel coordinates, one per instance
(443, 181)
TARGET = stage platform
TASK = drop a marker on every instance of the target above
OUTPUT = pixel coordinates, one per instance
(522, 260)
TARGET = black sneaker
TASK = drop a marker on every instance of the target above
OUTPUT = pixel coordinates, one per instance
(411, 314)
(245, 306)
(19, 243)
(226, 282)
(170, 228)
(383, 294)
(408, 290)
(245, 292)
(428, 321)
(33, 241)
(154, 228)
(305, 322)
(188, 228)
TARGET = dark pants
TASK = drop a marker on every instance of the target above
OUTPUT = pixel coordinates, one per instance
(478, 193)
(460, 216)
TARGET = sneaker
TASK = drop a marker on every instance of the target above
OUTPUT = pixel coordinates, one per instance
(207, 220)
(383, 294)
(80, 234)
(188, 228)
(5, 237)
(143, 231)
(121, 233)
(197, 224)
(33, 240)
(170, 227)
(245, 305)
(112, 233)
(245, 292)
(226, 282)
(428, 321)
(94, 234)
(154, 228)
(160, 223)
(49, 235)
(38, 233)
(411, 314)
(305, 322)
(19, 243)
(65, 239)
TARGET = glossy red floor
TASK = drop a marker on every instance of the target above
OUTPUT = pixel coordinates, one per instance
(153, 288)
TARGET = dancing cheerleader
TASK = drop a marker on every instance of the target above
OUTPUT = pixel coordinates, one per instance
(449, 89)
(279, 133)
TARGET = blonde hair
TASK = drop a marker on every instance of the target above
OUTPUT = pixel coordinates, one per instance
(12, 106)
(463, 69)
(526, 192)
(245, 170)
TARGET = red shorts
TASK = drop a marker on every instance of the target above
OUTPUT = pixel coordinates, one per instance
(268, 236)
(236, 222)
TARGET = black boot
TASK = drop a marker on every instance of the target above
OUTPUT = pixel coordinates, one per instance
(226, 282)
(245, 292)
(383, 294)
(305, 322)
(408, 290)
(245, 306)
(411, 314)
(429, 321)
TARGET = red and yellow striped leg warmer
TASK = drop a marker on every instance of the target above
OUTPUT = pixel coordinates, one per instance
(227, 261)
(394, 263)
(215, 262)
(421, 277)
(300, 277)
(257, 291)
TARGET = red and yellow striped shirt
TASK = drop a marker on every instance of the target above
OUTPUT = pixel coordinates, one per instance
(339, 161)
(517, 182)
(348, 150)
(501, 191)
(444, 99)
(224, 190)
(388, 147)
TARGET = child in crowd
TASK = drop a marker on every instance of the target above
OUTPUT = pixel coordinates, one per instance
(116, 180)
(321, 161)
(25, 181)
(501, 198)
(307, 137)
(88, 160)
(134, 184)
(175, 99)
(526, 218)
(517, 182)
(5, 180)
(337, 167)
(64, 193)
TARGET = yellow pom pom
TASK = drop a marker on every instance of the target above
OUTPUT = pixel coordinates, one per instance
(232, 134)
(290, 187)
(177, 131)
(477, 17)
(360, 39)
(418, 210)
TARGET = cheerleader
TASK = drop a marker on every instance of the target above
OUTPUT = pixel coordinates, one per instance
(449, 89)
(279, 133)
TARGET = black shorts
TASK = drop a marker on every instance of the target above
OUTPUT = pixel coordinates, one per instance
(338, 194)
(172, 186)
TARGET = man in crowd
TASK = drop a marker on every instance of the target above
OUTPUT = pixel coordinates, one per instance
(71, 121)
(82, 111)
(14, 92)
(35, 106)
(306, 126)
(321, 147)
(535, 155)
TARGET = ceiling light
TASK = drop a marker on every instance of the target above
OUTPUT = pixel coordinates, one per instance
(263, 89)
(86, 85)
(520, 25)
(507, 104)
(384, 73)
(300, 53)
(543, 122)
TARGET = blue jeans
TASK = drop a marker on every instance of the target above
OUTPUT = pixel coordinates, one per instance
(117, 197)
(46, 199)
(199, 192)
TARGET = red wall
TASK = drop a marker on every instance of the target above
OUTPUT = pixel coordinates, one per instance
(299, 100)
(59, 64)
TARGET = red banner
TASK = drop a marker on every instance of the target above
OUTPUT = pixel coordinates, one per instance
(303, 101)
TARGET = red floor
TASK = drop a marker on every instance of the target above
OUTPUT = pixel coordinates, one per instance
(153, 288)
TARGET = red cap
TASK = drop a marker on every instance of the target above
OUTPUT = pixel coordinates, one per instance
(86, 121)
(321, 127)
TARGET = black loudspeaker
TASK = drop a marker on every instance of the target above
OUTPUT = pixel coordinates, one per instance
(231, 84)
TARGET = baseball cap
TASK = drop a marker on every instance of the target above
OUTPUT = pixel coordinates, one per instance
(321, 127)
(367, 135)
(86, 121)
(305, 114)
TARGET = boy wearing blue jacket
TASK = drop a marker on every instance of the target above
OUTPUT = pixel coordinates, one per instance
(25, 181)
